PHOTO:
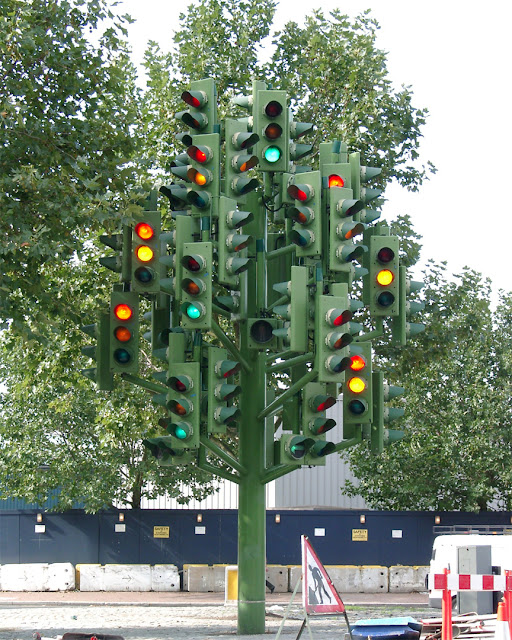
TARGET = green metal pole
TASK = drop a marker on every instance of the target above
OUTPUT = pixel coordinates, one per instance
(252, 507)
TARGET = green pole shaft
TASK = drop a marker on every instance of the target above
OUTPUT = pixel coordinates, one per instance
(252, 507)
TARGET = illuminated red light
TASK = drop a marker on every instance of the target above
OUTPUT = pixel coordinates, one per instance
(357, 363)
(144, 230)
(123, 312)
(336, 181)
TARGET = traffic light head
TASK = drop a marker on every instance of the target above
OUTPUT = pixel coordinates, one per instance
(196, 285)
(146, 252)
(222, 413)
(292, 449)
(332, 337)
(201, 98)
(357, 388)
(383, 281)
(306, 213)
(184, 402)
(271, 124)
(203, 172)
(124, 332)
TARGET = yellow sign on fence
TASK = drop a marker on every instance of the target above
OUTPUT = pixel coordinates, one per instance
(359, 535)
(160, 532)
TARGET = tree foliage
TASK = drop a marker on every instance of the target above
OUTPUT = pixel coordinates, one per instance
(458, 409)
(77, 140)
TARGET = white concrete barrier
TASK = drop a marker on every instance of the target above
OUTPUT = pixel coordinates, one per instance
(128, 577)
(407, 579)
(165, 577)
(37, 576)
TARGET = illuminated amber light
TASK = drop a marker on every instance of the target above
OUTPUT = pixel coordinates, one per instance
(385, 277)
(144, 253)
(356, 385)
(123, 312)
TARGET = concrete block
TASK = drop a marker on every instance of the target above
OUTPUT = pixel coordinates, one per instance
(346, 578)
(294, 575)
(359, 579)
(375, 579)
(278, 576)
(127, 577)
(407, 579)
(92, 577)
(60, 577)
(219, 577)
(199, 578)
(37, 576)
(165, 577)
(24, 577)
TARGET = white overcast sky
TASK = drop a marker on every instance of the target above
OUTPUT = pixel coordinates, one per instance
(456, 55)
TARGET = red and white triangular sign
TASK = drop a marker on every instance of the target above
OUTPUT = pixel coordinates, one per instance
(318, 592)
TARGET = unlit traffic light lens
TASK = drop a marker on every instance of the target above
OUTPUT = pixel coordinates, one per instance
(123, 334)
(273, 109)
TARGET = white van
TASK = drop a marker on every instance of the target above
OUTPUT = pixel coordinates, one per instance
(444, 556)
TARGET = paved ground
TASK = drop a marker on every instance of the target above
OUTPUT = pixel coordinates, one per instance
(181, 615)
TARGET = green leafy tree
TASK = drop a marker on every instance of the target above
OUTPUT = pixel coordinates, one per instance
(68, 106)
(458, 409)
(58, 433)
(331, 67)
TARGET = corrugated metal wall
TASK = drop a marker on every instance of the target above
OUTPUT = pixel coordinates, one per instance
(307, 487)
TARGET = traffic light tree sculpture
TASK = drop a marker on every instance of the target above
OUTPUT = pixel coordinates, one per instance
(253, 275)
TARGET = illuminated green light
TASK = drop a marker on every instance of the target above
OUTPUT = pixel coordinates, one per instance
(272, 154)
(193, 312)
(180, 433)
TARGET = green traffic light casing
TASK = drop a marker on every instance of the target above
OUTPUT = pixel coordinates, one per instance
(383, 300)
(332, 337)
(358, 407)
(306, 213)
(124, 334)
(100, 352)
(401, 328)
(239, 160)
(201, 252)
(189, 399)
(162, 448)
(201, 101)
(186, 228)
(294, 310)
(292, 449)
(203, 197)
(232, 260)
(260, 333)
(336, 174)
(315, 423)
(222, 413)
(343, 228)
(145, 274)
(379, 435)
(271, 124)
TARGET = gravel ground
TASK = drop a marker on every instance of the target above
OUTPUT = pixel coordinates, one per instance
(154, 622)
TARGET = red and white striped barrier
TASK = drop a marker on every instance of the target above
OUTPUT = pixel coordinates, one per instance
(465, 582)
(448, 582)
